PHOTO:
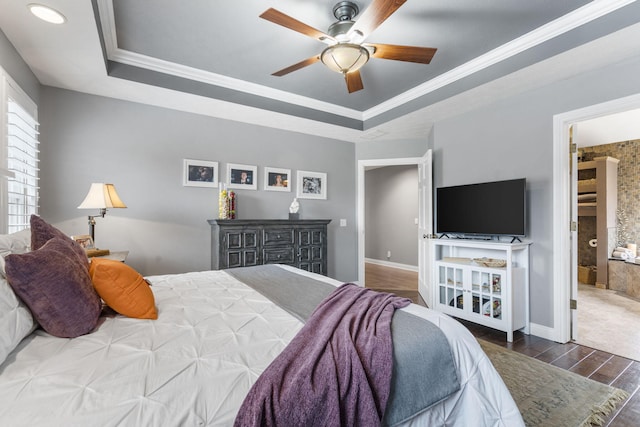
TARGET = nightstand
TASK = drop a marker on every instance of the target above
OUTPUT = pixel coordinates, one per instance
(116, 255)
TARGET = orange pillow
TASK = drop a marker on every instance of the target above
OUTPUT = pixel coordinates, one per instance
(122, 288)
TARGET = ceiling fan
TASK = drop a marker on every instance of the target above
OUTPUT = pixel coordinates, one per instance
(347, 52)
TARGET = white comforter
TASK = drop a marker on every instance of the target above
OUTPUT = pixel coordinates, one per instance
(196, 362)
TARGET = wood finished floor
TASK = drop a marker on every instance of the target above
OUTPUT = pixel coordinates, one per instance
(598, 365)
(403, 283)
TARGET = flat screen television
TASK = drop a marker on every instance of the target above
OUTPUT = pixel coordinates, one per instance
(485, 209)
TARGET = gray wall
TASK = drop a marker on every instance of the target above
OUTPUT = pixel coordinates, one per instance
(391, 207)
(13, 64)
(513, 138)
(140, 149)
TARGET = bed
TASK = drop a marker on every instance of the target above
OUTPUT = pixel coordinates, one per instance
(194, 364)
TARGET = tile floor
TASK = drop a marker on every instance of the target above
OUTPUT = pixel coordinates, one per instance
(609, 320)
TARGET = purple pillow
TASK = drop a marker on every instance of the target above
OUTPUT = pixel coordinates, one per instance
(42, 232)
(55, 284)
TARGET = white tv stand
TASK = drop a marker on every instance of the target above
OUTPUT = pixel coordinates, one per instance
(493, 296)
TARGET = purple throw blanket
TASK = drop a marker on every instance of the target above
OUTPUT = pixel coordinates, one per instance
(335, 371)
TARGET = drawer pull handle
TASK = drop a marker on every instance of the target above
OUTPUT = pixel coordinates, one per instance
(278, 236)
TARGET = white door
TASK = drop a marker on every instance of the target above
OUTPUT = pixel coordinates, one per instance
(425, 226)
(573, 156)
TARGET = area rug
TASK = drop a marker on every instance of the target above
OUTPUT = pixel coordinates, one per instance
(549, 396)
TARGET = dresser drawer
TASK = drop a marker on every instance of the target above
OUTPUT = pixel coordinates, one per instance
(240, 239)
(310, 253)
(278, 256)
(243, 258)
(278, 236)
(311, 236)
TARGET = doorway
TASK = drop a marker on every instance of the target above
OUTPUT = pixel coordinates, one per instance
(608, 309)
(425, 215)
(391, 222)
(565, 273)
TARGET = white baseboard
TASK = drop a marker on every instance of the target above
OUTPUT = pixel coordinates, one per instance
(391, 264)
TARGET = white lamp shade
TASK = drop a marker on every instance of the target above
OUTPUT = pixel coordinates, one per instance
(102, 196)
(344, 57)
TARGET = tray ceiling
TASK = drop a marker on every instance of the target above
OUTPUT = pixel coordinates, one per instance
(217, 58)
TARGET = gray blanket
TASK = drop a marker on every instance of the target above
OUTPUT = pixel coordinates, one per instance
(423, 370)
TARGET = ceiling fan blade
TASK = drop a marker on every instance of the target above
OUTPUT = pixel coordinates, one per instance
(421, 55)
(286, 21)
(354, 81)
(377, 12)
(297, 66)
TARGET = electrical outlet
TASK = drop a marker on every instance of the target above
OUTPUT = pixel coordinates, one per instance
(388, 254)
(343, 222)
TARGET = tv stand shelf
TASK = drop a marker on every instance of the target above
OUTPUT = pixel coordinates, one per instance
(469, 286)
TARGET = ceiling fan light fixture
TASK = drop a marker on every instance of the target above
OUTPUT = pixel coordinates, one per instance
(339, 31)
(344, 57)
(348, 51)
(345, 11)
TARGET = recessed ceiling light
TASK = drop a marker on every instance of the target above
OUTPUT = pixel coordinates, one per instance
(46, 13)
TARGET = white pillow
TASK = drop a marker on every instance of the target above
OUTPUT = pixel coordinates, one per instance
(16, 321)
(15, 243)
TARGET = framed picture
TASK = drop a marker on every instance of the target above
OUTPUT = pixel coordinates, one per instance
(276, 179)
(242, 176)
(200, 173)
(84, 240)
(311, 185)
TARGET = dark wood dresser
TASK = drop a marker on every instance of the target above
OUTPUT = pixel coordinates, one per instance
(244, 242)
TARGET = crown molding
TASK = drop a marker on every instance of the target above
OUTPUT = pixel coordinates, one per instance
(114, 53)
(568, 22)
(166, 67)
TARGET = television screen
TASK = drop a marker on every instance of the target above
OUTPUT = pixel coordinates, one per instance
(487, 209)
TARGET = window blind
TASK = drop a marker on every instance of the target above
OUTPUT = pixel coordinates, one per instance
(22, 163)
(19, 172)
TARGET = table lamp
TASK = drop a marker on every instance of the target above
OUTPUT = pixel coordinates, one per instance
(101, 196)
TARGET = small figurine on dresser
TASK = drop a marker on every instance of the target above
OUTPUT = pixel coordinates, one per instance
(294, 208)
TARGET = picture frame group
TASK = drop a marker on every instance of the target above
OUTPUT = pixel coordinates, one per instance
(204, 173)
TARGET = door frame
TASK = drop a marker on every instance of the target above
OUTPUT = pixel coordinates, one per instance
(562, 277)
(573, 232)
(362, 165)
